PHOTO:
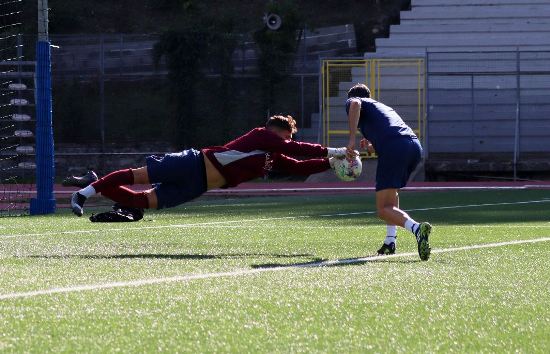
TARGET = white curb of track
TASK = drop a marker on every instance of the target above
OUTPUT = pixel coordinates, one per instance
(244, 272)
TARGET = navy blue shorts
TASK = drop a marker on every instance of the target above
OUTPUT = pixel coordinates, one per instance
(178, 177)
(396, 161)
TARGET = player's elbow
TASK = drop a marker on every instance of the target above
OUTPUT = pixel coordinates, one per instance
(355, 105)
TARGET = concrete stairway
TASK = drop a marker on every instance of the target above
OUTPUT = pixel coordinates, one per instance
(455, 25)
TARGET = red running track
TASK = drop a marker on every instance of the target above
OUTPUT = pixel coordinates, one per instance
(299, 188)
(290, 188)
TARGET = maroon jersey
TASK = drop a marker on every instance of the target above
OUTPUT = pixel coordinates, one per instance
(259, 151)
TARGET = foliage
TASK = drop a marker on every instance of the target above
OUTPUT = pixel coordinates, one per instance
(278, 48)
(201, 43)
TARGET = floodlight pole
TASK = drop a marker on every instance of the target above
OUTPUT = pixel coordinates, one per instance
(44, 203)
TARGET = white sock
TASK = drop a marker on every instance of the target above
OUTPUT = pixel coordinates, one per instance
(412, 226)
(391, 235)
(88, 191)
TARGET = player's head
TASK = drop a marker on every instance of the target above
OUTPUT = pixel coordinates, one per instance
(359, 90)
(284, 126)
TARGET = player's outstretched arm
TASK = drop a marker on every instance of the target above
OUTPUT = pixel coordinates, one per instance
(271, 142)
(288, 165)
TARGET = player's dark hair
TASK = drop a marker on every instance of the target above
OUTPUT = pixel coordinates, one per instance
(359, 90)
(283, 122)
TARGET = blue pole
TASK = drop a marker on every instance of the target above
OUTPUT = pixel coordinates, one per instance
(44, 203)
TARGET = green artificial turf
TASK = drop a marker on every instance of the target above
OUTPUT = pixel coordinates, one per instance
(475, 300)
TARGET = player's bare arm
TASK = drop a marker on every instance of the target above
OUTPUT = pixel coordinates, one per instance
(353, 119)
(366, 145)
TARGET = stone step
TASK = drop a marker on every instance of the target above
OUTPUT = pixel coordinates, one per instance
(409, 52)
(482, 11)
(483, 27)
(470, 40)
(511, 21)
(443, 3)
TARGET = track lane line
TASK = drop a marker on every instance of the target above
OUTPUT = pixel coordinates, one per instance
(245, 272)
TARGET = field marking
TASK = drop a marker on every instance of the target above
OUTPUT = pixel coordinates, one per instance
(2, 237)
(237, 191)
(244, 272)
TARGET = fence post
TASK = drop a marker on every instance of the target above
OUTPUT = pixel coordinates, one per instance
(321, 85)
(44, 203)
(473, 112)
(518, 105)
(102, 91)
(302, 100)
(426, 128)
(121, 60)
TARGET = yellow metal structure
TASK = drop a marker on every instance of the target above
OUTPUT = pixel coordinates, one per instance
(399, 83)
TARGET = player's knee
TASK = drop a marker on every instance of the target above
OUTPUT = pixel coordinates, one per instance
(140, 200)
(384, 212)
(141, 175)
(381, 212)
(152, 200)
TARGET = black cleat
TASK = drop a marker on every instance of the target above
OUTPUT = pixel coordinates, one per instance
(422, 238)
(387, 249)
(119, 213)
(80, 182)
(77, 203)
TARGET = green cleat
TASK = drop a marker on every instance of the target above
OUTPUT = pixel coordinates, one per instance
(422, 238)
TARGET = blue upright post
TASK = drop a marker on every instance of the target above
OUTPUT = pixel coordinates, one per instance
(44, 203)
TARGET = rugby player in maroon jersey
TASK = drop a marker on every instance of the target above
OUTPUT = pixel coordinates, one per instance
(180, 177)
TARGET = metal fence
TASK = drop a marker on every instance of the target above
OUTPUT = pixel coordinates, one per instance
(131, 55)
(103, 83)
(489, 103)
(398, 82)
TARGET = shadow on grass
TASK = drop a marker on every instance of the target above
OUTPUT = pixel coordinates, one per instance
(167, 256)
(343, 262)
(315, 262)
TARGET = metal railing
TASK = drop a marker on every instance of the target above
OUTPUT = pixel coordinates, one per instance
(495, 103)
(398, 82)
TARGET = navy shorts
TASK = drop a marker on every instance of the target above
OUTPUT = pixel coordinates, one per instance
(178, 177)
(396, 161)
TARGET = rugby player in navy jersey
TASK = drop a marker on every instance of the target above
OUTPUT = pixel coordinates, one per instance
(399, 152)
(180, 177)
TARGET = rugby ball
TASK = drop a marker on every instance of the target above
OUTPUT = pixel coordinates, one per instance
(348, 169)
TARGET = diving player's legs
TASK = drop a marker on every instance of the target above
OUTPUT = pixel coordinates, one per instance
(176, 178)
(110, 186)
(132, 199)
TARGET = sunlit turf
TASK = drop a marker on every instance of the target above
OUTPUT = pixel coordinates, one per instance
(492, 300)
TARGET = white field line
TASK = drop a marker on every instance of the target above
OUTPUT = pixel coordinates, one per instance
(370, 189)
(238, 191)
(380, 225)
(245, 272)
(229, 222)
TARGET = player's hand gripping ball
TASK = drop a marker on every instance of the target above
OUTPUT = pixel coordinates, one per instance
(348, 169)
